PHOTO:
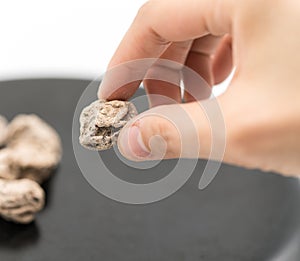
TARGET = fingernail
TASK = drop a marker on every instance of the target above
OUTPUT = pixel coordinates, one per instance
(131, 144)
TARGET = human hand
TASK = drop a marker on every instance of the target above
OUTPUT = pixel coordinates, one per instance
(261, 107)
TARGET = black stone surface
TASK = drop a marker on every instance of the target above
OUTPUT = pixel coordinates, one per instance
(241, 215)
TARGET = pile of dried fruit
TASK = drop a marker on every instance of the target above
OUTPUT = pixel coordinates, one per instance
(30, 151)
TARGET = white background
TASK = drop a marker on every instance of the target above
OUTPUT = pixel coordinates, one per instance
(61, 38)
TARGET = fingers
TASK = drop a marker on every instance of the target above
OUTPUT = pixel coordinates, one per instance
(222, 61)
(173, 131)
(162, 82)
(200, 60)
(159, 23)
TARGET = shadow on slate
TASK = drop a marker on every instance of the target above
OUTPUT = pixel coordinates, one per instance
(241, 215)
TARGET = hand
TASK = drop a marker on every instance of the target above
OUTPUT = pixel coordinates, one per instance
(261, 107)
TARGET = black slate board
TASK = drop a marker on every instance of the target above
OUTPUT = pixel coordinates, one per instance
(242, 215)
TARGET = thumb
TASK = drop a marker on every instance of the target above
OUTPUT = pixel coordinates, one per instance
(175, 131)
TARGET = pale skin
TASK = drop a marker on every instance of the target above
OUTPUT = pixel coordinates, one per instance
(261, 107)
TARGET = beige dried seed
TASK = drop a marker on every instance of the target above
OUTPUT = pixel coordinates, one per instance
(33, 149)
(102, 121)
(20, 200)
(7, 169)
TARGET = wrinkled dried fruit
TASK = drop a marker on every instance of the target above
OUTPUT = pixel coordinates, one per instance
(7, 170)
(102, 121)
(30, 150)
(20, 200)
(3, 130)
(33, 149)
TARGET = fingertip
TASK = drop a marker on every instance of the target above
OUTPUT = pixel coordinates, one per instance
(131, 145)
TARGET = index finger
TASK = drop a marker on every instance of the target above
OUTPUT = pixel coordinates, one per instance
(157, 24)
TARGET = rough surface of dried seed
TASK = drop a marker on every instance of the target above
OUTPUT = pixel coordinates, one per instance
(20, 200)
(33, 149)
(7, 169)
(3, 130)
(102, 121)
